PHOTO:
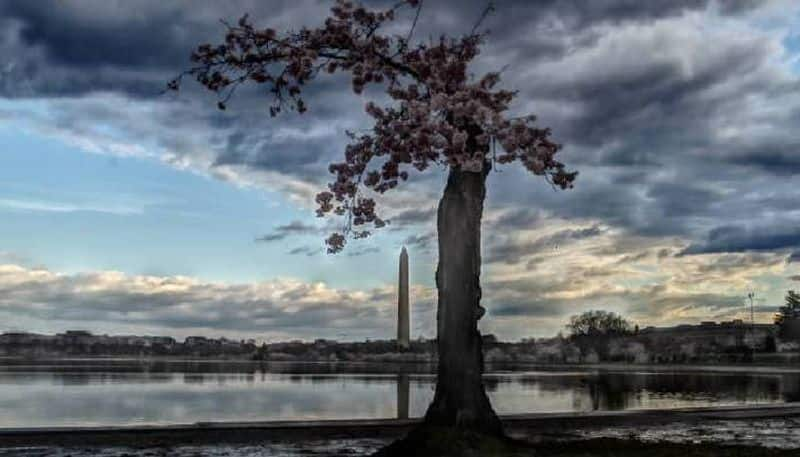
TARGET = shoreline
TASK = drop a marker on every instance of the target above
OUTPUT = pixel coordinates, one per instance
(524, 425)
(608, 366)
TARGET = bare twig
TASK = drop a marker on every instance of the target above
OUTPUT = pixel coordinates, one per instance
(414, 24)
(486, 12)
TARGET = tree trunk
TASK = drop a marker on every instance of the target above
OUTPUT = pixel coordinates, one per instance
(460, 400)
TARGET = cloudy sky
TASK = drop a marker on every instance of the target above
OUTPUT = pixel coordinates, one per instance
(124, 210)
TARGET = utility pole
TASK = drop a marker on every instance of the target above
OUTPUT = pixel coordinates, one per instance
(752, 297)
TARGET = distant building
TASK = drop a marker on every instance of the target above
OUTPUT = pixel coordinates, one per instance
(163, 340)
(76, 337)
(725, 334)
(77, 334)
(196, 341)
(81, 342)
(790, 330)
(18, 338)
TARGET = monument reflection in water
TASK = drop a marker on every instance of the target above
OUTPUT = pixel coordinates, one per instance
(33, 396)
(403, 396)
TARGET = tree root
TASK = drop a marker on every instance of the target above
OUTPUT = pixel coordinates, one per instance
(434, 441)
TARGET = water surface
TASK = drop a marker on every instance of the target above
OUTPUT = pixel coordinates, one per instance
(120, 392)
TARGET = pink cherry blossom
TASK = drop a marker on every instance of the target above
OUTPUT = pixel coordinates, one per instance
(438, 113)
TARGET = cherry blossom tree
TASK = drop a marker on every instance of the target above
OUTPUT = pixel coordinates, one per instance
(438, 115)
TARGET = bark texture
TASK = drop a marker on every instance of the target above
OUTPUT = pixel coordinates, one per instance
(460, 400)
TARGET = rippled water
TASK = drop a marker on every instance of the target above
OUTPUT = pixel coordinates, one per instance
(94, 392)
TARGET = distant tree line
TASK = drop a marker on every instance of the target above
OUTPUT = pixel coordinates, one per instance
(591, 337)
(788, 316)
(598, 323)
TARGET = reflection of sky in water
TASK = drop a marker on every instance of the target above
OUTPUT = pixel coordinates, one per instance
(90, 396)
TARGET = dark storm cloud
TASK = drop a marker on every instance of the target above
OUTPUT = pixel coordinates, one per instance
(131, 46)
(363, 250)
(528, 308)
(308, 251)
(413, 216)
(521, 299)
(739, 6)
(79, 46)
(519, 218)
(653, 299)
(676, 199)
(421, 241)
(539, 19)
(728, 264)
(781, 159)
(512, 251)
(645, 105)
(268, 155)
(293, 228)
(733, 238)
(90, 35)
(662, 126)
(633, 126)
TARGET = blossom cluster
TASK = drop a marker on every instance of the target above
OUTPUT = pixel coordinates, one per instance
(439, 114)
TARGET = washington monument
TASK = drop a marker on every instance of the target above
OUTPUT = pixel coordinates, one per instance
(403, 329)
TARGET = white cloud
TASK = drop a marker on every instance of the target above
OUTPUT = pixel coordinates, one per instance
(59, 207)
(108, 300)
